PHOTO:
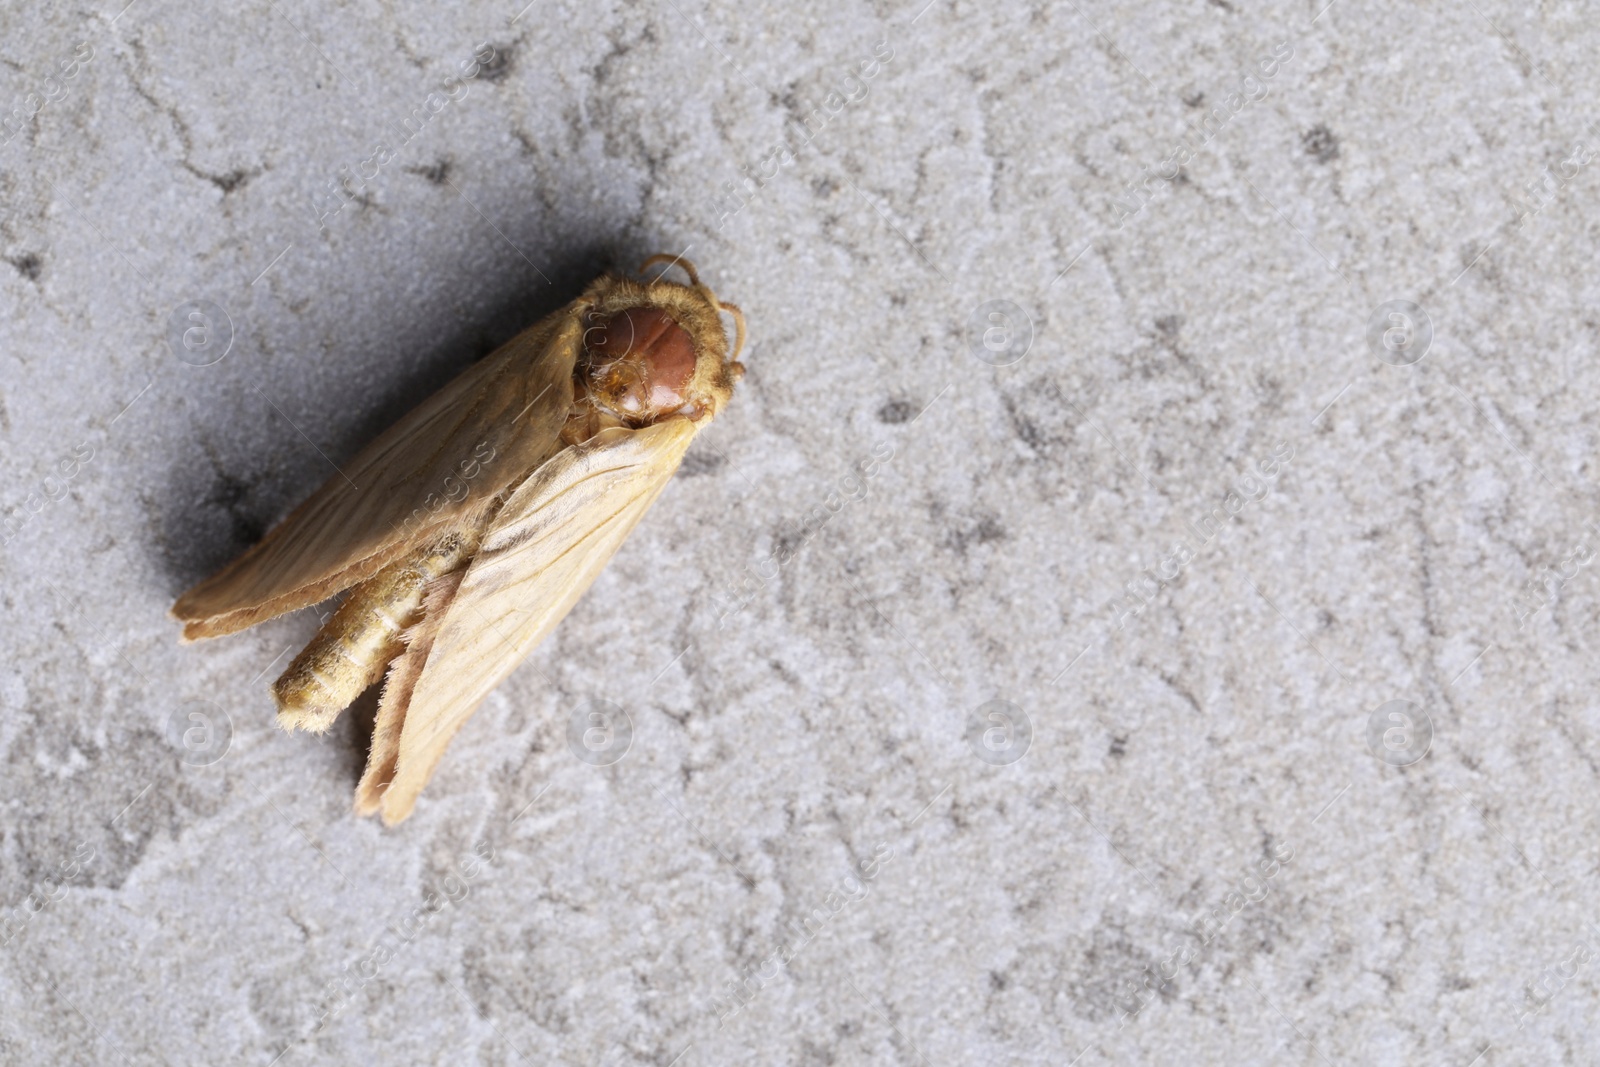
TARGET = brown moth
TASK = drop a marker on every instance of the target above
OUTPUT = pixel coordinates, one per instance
(470, 528)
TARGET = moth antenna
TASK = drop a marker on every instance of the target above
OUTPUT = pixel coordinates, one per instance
(738, 326)
(662, 257)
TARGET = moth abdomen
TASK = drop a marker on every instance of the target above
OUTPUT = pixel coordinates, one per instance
(354, 647)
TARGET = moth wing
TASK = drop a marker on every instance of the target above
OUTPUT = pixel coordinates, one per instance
(544, 549)
(397, 688)
(509, 406)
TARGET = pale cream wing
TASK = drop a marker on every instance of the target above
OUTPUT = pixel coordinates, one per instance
(544, 549)
(397, 688)
(396, 493)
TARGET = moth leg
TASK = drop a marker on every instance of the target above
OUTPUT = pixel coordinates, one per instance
(351, 650)
(397, 687)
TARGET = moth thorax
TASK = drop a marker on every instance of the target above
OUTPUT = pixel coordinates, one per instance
(640, 362)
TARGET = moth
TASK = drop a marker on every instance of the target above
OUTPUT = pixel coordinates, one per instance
(467, 531)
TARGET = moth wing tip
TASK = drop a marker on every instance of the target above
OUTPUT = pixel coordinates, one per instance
(395, 814)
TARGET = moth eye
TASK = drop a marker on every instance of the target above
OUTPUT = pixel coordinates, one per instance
(642, 361)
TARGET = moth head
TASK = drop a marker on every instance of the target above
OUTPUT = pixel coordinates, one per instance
(657, 350)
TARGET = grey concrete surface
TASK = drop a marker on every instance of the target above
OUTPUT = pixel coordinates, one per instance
(1195, 663)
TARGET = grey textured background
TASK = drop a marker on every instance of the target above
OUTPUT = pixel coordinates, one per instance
(1197, 857)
